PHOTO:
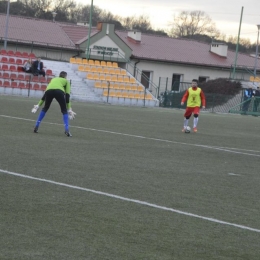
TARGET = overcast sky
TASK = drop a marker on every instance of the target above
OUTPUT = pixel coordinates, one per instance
(226, 14)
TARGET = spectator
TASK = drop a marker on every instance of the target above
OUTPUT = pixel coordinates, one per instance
(27, 66)
(37, 68)
(248, 93)
(256, 95)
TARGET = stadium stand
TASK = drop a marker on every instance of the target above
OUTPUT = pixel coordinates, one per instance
(89, 78)
(12, 77)
(124, 88)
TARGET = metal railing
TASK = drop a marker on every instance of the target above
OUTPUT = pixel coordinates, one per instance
(116, 56)
(241, 72)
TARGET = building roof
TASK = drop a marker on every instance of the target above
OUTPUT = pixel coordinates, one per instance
(77, 33)
(151, 47)
(182, 51)
(35, 30)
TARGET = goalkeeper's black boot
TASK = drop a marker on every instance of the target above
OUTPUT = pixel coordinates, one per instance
(67, 133)
(35, 130)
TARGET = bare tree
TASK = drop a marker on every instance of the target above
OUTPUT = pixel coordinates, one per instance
(141, 23)
(36, 8)
(191, 23)
(82, 13)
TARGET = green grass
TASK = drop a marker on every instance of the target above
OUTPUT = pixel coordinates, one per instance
(137, 154)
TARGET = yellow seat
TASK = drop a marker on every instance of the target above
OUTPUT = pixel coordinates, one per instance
(99, 70)
(104, 84)
(128, 87)
(93, 69)
(96, 76)
(117, 71)
(134, 88)
(112, 71)
(91, 62)
(103, 63)
(115, 64)
(90, 76)
(120, 86)
(108, 77)
(126, 79)
(84, 61)
(140, 88)
(87, 69)
(139, 96)
(105, 92)
(149, 96)
(97, 62)
(132, 80)
(112, 93)
(109, 64)
(106, 70)
(112, 85)
(131, 95)
(120, 78)
(125, 94)
(123, 72)
(119, 94)
(81, 68)
(117, 86)
(102, 77)
(79, 60)
(254, 79)
(97, 84)
(114, 78)
(72, 60)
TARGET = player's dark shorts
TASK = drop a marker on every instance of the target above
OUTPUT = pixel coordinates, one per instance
(190, 110)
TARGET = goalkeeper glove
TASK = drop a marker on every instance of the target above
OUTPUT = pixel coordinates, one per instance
(71, 114)
(35, 108)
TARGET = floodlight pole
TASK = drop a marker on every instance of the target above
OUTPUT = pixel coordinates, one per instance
(89, 30)
(6, 24)
(235, 64)
(256, 52)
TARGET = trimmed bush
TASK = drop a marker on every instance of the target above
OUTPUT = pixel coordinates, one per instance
(221, 86)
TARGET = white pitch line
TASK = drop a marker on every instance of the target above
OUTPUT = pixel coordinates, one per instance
(132, 200)
(225, 149)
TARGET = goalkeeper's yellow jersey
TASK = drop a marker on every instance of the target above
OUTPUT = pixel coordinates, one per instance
(59, 83)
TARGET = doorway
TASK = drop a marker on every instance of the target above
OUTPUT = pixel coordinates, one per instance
(176, 79)
(145, 79)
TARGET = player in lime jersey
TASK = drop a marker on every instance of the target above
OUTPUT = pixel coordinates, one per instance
(58, 88)
(194, 96)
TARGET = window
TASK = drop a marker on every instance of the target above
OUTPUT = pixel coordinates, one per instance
(203, 79)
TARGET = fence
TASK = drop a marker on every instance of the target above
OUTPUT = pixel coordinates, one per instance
(247, 107)
(214, 102)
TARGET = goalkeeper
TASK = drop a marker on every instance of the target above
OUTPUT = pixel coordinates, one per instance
(58, 88)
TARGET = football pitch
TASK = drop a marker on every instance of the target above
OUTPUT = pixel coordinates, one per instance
(128, 185)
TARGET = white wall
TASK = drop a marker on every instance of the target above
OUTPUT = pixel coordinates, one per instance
(167, 70)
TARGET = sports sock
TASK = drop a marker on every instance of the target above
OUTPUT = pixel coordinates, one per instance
(66, 122)
(186, 122)
(195, 122)
(40, 117)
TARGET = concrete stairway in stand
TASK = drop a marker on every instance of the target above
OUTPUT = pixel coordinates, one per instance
(80, 90)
